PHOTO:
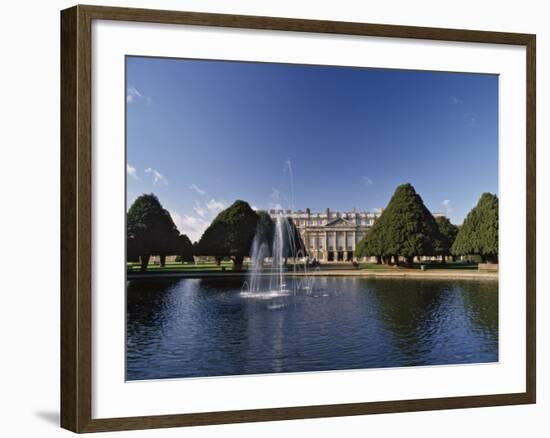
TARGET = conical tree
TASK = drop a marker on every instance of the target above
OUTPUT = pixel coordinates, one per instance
(230, 234)
(293, 245)
(478, 235)
(265, 229)
(406, 227)
(184, 249)
(371, 245)
(448, 232)
(150, 230)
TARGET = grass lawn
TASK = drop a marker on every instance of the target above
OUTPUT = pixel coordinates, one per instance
(428, 266)
(227, 266)
(184, 267)
(375, 267)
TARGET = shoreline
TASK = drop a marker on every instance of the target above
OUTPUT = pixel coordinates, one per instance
(436, 274)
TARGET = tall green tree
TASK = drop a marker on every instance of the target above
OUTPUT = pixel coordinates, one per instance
(448, 232)
(370, 245)
(150, 230)
(181, 247)
(265, 230)
(184, 249)
(293, 244)
(478, 235)
(406, 227)
(230, 234)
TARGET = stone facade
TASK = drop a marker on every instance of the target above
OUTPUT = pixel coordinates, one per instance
(332, 236)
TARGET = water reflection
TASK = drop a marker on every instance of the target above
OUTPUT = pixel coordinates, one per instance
(205, 327)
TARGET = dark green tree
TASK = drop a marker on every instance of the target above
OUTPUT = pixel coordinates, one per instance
(293, 244)
(478, 235)
(406, 227)
(370, 245)
(448, 232)
(150, 230)
(133, 249)
(185, 249)
(230, 234)
(265, 229)
(262, 244)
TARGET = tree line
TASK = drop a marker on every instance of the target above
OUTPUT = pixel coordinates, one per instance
(152, 232)
(406, 229)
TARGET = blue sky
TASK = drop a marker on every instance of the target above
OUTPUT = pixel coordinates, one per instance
(201, 134)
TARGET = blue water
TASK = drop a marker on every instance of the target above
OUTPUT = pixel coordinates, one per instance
(207, 327)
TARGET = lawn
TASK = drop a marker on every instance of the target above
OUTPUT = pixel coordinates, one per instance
(376, 267)
(184, 267)
(227, 266)
(427, 266)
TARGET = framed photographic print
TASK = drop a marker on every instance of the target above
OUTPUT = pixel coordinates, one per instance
(271, 218)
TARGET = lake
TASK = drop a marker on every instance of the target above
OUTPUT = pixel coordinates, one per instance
(190, 327)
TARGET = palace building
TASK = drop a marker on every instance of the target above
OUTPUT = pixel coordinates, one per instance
(332, 236)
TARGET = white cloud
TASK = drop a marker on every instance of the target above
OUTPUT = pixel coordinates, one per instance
(469, 120)
(214, 206)
(131, 170)
(253, 207)
(456, 100)
(192, 226)
(366, 181)
(158, 178)
(197, 189)
(447, 206)
(202, 212)
(133, 95)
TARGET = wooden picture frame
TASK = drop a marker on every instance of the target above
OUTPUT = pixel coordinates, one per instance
(76, 217)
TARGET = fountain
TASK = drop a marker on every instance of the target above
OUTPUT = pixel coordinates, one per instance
(279, 244)
(277, 239)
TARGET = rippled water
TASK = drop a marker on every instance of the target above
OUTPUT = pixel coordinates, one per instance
(207, 327)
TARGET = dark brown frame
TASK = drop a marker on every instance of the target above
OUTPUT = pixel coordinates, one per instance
(76, 204)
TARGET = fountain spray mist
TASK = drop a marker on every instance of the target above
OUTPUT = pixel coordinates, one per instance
(270, 279)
